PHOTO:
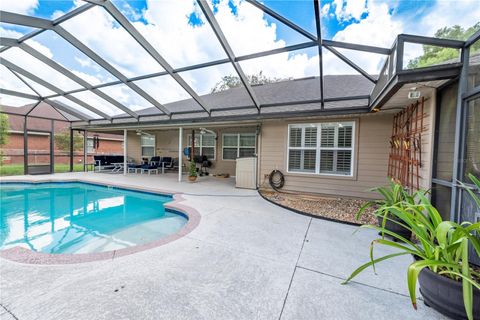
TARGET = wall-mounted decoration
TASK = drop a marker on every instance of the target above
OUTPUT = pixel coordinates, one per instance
(405, 158)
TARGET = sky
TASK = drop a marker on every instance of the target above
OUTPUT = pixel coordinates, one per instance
(179, 32)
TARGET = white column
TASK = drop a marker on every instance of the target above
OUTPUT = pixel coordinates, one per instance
(125, 168)
(180, 154)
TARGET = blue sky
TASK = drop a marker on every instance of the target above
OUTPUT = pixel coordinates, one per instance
(298, 11)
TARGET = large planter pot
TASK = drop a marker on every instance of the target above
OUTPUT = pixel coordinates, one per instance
(192, 178)
(393, 227)
(445, 295)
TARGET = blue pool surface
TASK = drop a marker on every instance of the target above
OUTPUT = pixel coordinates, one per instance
(74, 217)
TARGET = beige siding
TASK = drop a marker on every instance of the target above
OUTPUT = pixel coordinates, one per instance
(372, 149)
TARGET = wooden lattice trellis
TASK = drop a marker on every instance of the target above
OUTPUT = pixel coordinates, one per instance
(405, 158)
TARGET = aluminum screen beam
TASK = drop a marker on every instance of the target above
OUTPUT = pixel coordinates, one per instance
(48, 85)
(228, 50)
(357, 47)
(19, 94)
(125, 23)
(316, 5)
(351, 64)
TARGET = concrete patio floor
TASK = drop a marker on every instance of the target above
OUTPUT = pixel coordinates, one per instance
(247, 259)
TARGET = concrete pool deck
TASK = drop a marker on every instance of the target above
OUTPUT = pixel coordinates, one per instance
(247, 259)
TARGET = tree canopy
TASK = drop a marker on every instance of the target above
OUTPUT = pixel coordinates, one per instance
(433, 55)
(232, 81)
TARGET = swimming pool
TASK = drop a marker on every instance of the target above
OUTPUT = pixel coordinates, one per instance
(76, 217)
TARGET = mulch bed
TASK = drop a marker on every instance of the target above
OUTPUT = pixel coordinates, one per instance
(342, 209)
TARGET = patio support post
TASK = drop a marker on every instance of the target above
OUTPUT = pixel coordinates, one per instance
(85, 150)
(192, 151)
(52, 147)
(25, 146)
(125, 152)
(180, 153)
(71, 149)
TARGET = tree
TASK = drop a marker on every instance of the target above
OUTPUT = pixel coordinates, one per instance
(62, 141)
(433, 55)
(232, 81)
(3, 133)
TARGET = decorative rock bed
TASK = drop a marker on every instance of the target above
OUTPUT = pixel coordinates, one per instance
(342, 209)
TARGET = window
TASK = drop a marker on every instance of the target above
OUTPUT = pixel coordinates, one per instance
(324, 148)
(204, 145)
(90, 148)
(148, 146)
(238, 145)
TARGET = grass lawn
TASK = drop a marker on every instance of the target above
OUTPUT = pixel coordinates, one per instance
(17, 169)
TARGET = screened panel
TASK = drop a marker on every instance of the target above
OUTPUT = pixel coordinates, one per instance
(249, 30)
(421, 56)
(165, 90)
(13, 153)
(38, 68)
(164, 23)
(445, 133)
(371, 63)
(10, 81)
(472, 145)
(98, 103)
(341, 80)
(12, 101)
(474, 65)
(43, 91)
(126, 96)
(303, 15)
(61, 51)
(121, 50)
(301, 65)
(221, 80)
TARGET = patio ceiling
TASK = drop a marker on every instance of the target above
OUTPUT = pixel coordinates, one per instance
(149, 81)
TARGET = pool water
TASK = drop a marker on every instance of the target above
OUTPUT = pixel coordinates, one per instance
(73, 217)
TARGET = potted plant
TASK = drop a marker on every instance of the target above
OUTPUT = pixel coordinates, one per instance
(393, 195)
(448, 281)
(192, 172)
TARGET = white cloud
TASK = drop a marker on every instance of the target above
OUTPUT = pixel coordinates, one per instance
(347, 10)
(465, 13)
(19, 6)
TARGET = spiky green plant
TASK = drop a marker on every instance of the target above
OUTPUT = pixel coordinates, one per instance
(192, 171)
(442, 246)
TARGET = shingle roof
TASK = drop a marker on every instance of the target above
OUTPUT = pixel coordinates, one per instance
(274, 96)
(335, 86)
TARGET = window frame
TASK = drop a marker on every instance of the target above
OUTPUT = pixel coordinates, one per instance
(201, 146)
(318, 147)
(149, 146)
(90, 145)
(238, 143)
